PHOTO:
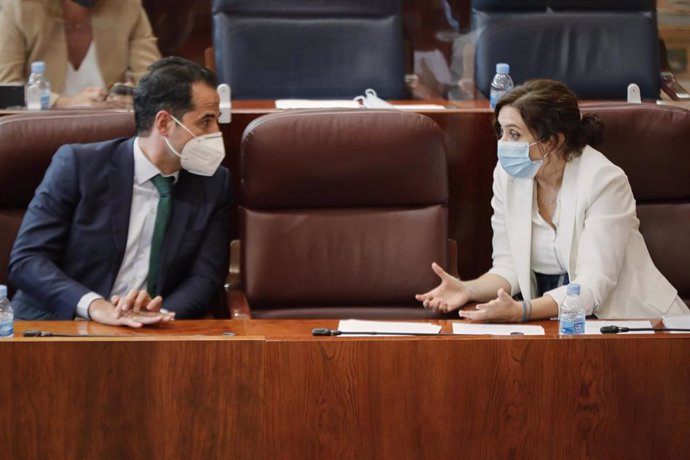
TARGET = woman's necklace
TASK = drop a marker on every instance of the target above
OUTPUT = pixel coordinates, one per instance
(549, 202)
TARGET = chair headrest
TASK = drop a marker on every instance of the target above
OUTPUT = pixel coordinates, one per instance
(28, 142)
(343, 158)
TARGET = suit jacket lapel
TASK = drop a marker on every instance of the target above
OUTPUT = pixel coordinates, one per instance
(121, 179)
(519, 198)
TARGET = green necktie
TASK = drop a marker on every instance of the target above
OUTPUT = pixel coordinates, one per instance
(164, 186)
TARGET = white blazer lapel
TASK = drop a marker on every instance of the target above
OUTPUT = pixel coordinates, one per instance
(567, 200)
(519, 198)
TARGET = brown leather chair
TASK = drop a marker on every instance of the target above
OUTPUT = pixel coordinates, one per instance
(27, 144)
(651, 143)
(341, 214)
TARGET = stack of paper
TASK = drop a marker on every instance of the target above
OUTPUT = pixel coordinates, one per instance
(386, 327)
(315, 104)
(678, 322)
(496, 329)
(346, 104)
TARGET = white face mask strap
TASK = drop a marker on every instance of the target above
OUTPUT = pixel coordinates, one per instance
(180, 123)
(172, 149)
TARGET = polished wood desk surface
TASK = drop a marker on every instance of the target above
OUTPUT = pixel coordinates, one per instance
(261, 329)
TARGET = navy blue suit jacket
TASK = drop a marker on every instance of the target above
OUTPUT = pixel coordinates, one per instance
(74, 234)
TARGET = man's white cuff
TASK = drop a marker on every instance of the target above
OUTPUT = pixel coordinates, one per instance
(84, 302)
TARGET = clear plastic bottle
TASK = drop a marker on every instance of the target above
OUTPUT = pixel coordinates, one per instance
(501, 84)
(571, 315)
(38, 88)
(6, 314)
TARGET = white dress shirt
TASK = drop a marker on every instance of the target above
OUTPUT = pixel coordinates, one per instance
(142, 216)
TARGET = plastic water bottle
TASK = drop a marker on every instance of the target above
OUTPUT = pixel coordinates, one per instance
(572, 312)
(38, 88)
(501, 84)
(6, 314)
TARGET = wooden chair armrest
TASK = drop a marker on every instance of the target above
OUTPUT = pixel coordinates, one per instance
(234, 279)
(238, 305)
(672, 88)
(235, 298)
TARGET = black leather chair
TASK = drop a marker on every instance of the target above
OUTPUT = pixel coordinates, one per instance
(597, 47)
(316, 49)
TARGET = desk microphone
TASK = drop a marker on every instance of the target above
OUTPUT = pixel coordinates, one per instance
(35, 333)
(322, 331)
(617, 329)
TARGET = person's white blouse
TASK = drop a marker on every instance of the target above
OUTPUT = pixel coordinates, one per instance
(546, 258)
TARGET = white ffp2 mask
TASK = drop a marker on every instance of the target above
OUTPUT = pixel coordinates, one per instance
(201, 155)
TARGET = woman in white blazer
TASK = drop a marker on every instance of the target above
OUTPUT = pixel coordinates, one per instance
(562, 213)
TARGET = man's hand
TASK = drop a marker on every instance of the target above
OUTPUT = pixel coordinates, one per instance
(92, 97)
(104, 312)
(135, 301)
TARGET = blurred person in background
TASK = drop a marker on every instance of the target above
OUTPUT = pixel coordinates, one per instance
(89, 48)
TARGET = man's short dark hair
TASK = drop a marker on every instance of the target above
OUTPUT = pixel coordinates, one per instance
(168, 86)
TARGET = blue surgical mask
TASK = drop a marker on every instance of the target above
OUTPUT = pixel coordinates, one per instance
(515, 160)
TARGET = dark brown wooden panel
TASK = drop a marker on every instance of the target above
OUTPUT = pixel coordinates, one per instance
(119, 399)
(481, 398)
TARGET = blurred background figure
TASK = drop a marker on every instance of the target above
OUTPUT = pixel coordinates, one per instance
(89, 48)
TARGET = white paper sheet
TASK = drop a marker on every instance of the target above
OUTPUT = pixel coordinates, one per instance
(593, 327)
(345, 104)
(316, 104)
(385, 327)
(678, 321)
(496, 329)
(419, 107)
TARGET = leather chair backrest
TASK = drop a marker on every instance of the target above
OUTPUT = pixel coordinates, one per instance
(309, 48)
(525, 5)
(342, 213)
(596, 48)
(651, 144)
(27, 144)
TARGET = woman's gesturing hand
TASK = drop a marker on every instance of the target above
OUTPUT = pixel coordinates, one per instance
(450, 295)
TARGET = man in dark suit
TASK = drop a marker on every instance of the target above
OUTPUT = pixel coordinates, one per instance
(103, 221)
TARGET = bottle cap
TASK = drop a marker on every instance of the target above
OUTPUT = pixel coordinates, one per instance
(502, 67)
(573, 289)
(38, 66)
(3, 290)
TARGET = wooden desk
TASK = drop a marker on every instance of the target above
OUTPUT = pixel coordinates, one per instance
(183, 390)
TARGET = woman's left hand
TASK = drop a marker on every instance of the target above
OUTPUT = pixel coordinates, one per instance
(503, 309)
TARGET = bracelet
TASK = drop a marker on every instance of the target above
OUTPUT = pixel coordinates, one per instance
(524, 311)
(529, 310)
